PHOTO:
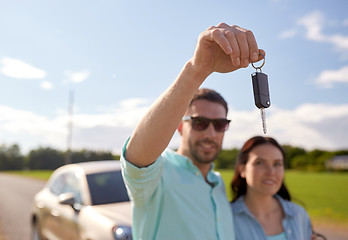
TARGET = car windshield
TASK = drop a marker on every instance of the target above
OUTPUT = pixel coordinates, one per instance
(107, 187)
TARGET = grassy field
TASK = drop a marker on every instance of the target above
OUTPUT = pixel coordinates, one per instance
(39, 174)
(323, 195)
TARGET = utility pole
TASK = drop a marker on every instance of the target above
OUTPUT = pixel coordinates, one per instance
(70, 127)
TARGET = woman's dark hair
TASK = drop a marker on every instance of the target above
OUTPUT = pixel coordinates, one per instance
(238, 184)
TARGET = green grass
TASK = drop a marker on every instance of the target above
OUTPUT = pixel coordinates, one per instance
(38, 174)
(323, 195)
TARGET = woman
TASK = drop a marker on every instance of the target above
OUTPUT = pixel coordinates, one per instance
(261, 202)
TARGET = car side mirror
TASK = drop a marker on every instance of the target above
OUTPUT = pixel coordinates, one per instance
(67, 199)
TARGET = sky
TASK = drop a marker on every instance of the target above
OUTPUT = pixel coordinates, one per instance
(98, 65)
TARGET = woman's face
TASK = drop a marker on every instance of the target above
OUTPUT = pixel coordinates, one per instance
(264, 171)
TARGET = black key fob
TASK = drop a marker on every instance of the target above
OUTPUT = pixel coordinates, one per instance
(261, 91)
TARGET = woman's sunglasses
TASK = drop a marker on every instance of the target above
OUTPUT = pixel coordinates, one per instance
(202, 123)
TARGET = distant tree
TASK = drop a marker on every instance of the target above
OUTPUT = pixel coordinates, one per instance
(88, 155)
(226, 159)
(290, 153)
(313, 155)
(341, 152)
(11, 158)
(321, 160)
(45, 158)
(313, 160)
(48, 158)
(299, 162)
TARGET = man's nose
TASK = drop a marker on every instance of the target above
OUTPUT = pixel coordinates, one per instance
(211, 130)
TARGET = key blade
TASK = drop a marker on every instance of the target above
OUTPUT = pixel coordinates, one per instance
(263, 118)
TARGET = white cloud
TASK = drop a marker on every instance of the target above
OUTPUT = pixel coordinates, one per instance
(345, 22)
(46, 85)
(30, 130)
(105, 131)
(309, 126)
(313, 23)
(339, 41)
(133, 103)
(312, 125)
(288, 34)
(327, 78)
(18, 69)
(77, 77)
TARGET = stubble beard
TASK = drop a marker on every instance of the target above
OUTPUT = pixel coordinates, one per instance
(202, 158)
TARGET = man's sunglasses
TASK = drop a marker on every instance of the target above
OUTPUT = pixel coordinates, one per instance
(202, 123)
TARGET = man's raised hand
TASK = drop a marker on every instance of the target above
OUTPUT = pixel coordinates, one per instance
(225, 48)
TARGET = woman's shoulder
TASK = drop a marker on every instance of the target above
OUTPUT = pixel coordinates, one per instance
(293, 209)
(292, 205)
(238, 203)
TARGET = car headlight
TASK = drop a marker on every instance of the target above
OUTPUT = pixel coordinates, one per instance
(122, 232)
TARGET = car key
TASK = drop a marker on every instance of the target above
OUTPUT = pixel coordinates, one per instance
(261, 93)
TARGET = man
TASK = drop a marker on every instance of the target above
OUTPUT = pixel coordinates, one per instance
(177, 195)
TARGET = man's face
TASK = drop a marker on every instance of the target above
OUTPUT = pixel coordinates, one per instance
(202, 146)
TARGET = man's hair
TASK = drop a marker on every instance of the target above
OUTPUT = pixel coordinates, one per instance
(209, 95)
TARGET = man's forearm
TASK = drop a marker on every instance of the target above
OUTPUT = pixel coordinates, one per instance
(155, 130)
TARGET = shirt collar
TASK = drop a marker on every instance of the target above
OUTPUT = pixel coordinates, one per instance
(187, 163)
(242, 208)
(288, 210)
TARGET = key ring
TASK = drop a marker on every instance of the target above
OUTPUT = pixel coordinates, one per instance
(263, 63)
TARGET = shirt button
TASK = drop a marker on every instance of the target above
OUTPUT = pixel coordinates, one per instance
(197, 173)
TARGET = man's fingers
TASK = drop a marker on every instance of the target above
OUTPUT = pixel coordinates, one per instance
(261, 55)
(219, 37)
(253, 48)
(243, 47)
(243, 44)
(239, 43)
(235, 56)
(261, 58)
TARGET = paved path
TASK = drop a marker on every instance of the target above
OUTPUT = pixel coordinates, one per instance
(332, 232)
(16, 197)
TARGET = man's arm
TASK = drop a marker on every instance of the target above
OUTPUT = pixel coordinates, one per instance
(222, 49)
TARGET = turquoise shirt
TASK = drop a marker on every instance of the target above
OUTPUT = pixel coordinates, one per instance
(296, 223)
(281, 236)
(172, 200)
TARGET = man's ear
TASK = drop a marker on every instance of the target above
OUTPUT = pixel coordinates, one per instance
(180, 128)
